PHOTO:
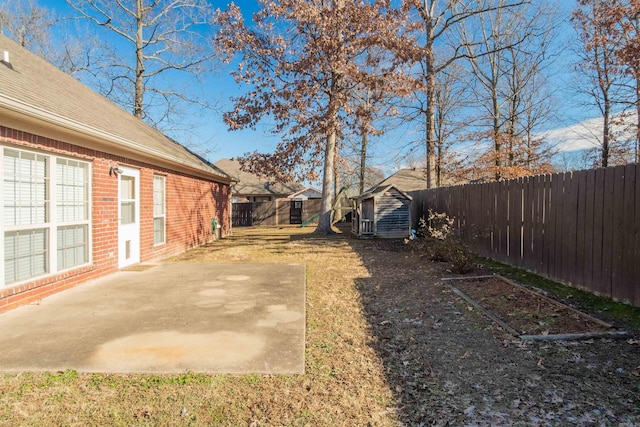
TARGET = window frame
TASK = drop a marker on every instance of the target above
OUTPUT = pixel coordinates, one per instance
(54, 205)
(163, 215)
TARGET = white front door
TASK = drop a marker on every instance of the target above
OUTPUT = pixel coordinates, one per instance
(129, 217)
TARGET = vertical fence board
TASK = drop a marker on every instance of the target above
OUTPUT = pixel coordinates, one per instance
(491, 217)
(499, 223)
(580, 179)
(629, 252)
(472, 220)
(598, 227)
(589, 228)
(512, 251)
(554, 213)
(636, 241)
(492, 189)
(607, 230)
(502, 213)
(547, 244)
(487, 225)
(618, 233)
(622, 225)
(570, 210)
(519, 217)
(527, 226)
(538, 223)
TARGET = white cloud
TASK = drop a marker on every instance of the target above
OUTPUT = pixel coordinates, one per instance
(588, 133)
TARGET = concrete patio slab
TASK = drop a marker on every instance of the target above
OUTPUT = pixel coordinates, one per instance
(172, 318)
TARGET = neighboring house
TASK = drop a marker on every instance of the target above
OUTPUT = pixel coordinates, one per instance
(247, 187)
(88, 188)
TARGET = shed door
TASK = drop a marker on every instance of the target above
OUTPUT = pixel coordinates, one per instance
(367, 209)
(129, 217)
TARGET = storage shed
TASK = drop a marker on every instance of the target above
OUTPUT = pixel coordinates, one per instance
(384, 212)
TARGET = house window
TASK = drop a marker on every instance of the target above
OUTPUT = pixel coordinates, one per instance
(158, 209)
(127, 200)
(46, 214)
(72, 212)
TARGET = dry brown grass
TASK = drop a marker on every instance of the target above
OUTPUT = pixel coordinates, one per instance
(344, 383)
(387, 343)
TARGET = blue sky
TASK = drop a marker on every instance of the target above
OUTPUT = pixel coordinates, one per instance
(213, 137)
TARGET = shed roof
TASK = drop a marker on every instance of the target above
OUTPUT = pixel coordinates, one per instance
(250, 184)
(379, 191)
(35, 94)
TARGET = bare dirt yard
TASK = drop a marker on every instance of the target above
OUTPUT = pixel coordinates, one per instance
(525, 311)
(387, 344)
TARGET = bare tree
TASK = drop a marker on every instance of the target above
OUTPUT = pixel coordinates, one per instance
(621, 21)
(61, 41)
(510, 86)
(300, 62)
(373, 107)
(351, 175)
(29, 24)
(599, 64)
(437, 21)
(160, 37)
(450, 97)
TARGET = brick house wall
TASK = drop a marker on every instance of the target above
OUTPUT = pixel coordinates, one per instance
(191, 202)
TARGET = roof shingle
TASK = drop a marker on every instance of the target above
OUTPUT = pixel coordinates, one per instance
(31, 85)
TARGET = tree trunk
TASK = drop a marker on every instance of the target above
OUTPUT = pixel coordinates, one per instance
(430, 111)
(439, 161)
(138, 99)
(497, 142)
(336, 176)
(324, 221)
(363, 158)
(430, 133)
(637, 148)
(606, 132)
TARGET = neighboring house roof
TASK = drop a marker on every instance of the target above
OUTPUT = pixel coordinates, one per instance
(308, 192)
(36, 95)
(250, 184)
(405, 179)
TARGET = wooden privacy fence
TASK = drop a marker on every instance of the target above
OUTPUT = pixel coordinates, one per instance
(580, 228)
(276, 212)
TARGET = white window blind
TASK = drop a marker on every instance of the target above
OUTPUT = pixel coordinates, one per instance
(25, 254)
(25, 192)
(39, 239)
(71, 190)
(159, 209)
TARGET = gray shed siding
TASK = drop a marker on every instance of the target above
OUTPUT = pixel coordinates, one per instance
(393, 218)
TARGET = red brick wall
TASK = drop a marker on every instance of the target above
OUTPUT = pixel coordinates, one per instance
(191, 202)
(190, 206)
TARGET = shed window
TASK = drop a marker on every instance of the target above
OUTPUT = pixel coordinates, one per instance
(46, 214)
